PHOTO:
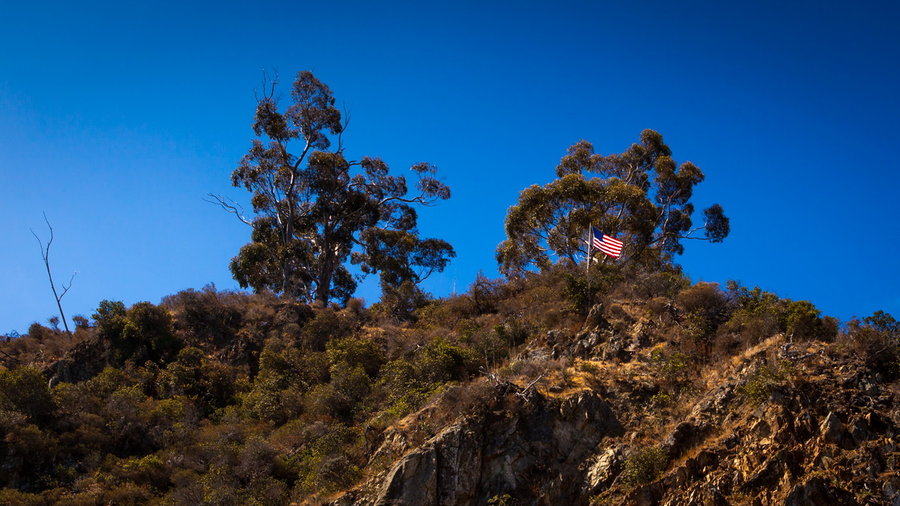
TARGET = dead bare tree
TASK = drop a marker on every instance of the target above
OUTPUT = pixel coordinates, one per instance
(45, 254)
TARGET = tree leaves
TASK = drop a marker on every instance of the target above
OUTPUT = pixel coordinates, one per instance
(641, 196)
(315, 207)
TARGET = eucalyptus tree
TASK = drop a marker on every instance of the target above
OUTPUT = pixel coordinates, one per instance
(316, 210)
(640, 196)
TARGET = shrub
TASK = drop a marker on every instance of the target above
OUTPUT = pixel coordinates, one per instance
(875, 339)
(203, 315)
(39, 332)
(671, 369)
(210, 383)
(761, 383)
(704, 308)
(149, 470)
(356, 351)
(143, 332)
(13, 496)
(665, 284)
(326, 465)
(442, 361)
(401, 303)
(484, 294)
(81, 322)
(802, 321)
(645, 465)
(24, 389)
(326, 325)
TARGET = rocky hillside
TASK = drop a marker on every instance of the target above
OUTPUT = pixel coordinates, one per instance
(781, 423)
(628, 388)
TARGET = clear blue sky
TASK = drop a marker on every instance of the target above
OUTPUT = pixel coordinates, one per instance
(117, 118)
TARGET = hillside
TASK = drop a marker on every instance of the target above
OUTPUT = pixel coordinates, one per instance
(632, 387)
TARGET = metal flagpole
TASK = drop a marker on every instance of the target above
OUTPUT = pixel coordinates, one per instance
(590, 241)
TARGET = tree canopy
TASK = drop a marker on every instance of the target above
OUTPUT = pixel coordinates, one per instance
(316, 211)
(640, 196)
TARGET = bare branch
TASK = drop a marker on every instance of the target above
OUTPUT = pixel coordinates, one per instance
(268, 89)
(66, 287)
(340, 139)
(416, 200)
(228, 205)
(45, 255)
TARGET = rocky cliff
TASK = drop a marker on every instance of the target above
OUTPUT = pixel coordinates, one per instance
(781, 423)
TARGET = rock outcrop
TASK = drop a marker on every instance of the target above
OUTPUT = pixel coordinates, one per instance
(527, 445)
(823, 433)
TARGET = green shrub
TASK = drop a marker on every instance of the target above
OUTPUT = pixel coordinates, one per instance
(326, 464)
(24, 389)
(673, 369)
(149, 470)
(443, 361)
(356, 351)
(143, 332)
(645, 465)
(761, 383)
(801, 319)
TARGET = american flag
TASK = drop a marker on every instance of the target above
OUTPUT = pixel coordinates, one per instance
(606, 244)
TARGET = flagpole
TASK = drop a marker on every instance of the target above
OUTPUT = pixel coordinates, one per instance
(590, 241)
(587, 271)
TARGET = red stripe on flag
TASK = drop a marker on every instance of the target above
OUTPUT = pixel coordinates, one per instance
(610, 251)
(609, 239)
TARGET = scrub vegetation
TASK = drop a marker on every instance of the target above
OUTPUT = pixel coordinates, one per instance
(294, 392)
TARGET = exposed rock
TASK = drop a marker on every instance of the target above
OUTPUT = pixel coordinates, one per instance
(615, 349)
(595, 319)
(585, 343)
(604, 469)
(684, 436)
(445, 470)
(818, 491)
(500, 452)
(819, 441)
(832, 429)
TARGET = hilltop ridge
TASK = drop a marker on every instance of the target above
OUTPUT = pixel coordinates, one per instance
(628, 387)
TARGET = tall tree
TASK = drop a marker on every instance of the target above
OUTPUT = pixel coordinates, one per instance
(641, 196)
(314, 207)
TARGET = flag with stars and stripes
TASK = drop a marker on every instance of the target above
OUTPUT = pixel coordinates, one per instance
(606, 244)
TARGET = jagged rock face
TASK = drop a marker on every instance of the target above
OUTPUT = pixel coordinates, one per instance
(826, 436)
(531, 448)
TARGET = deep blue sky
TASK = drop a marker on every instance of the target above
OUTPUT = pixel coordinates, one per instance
(117, 118)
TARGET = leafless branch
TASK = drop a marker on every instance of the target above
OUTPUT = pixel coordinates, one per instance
(66, 287)
(524, 392)
(268, 88)
(229, 205)
(340, 139)
(45, 255)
